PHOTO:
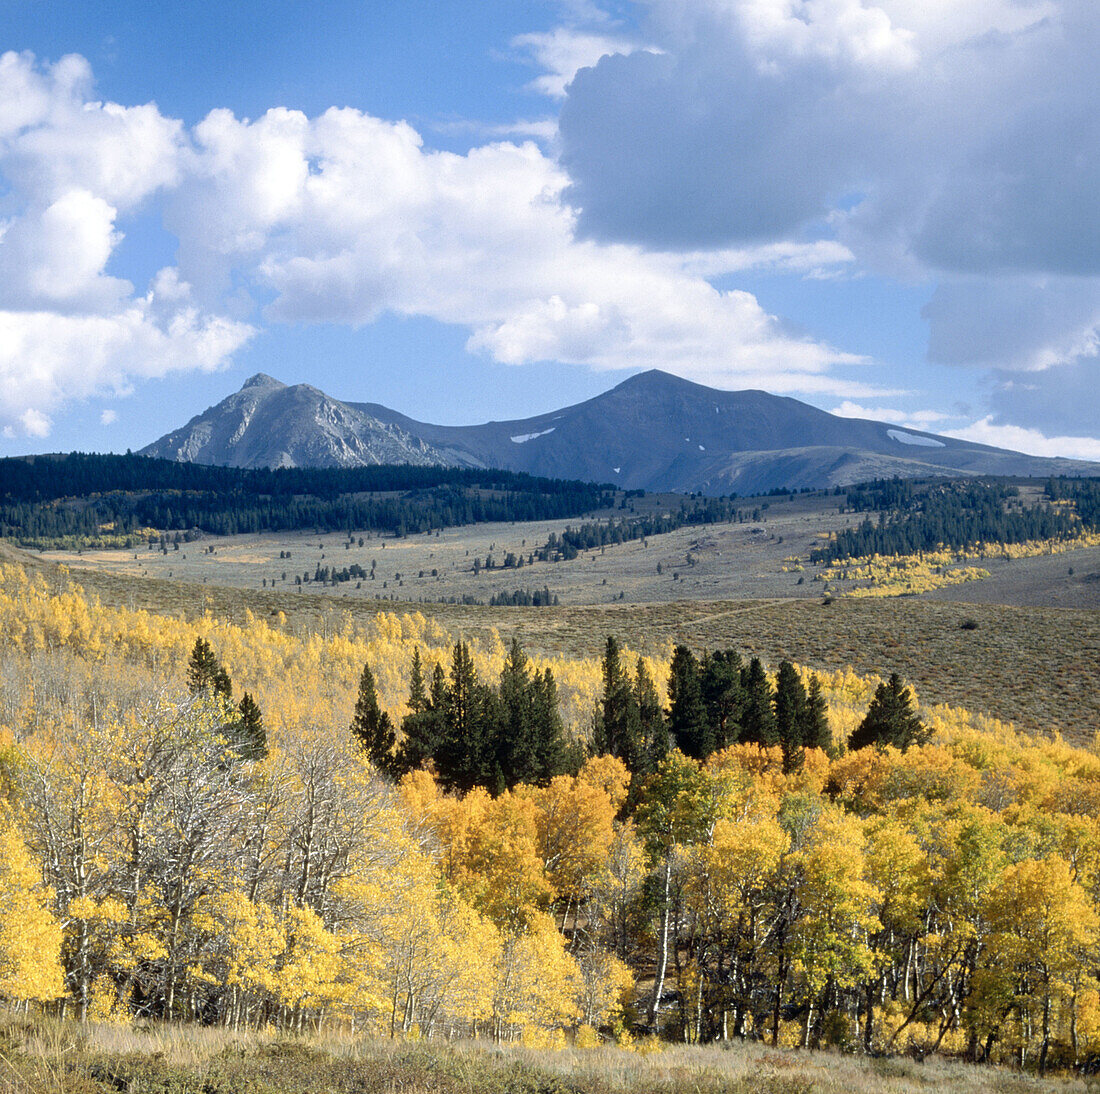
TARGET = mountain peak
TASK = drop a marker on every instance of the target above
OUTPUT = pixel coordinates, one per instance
(261, 379)
(656, 381)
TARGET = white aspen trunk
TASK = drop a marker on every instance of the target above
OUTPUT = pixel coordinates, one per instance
(662, 950)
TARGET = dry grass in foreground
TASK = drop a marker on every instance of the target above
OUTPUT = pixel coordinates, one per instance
(59, 1057)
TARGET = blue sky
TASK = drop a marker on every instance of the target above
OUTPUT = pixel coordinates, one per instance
(474, 210)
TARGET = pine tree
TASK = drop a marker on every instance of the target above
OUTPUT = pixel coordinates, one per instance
(618, 728)
(437, 690)
(555, 757)
(688, 724)
(758, 718)
(202, 667)
(251, 737)
(890, 719)
(205, 672)
(723, 695)
(654, 731)
(465, 756)
(418, 697)
(790, 716)
(816, 732)
(223, 687)
(518, 747)
(371, 726)
(423, 727)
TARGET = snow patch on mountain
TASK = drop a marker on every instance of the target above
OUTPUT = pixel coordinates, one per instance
(912, 438)
(523, 438)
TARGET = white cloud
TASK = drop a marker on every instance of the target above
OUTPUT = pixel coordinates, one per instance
(340, 218)
(35, 423)
(345, 217)
(562, 52)
(1019, 439)
(939, 24)
(56, 256)
(71, 166)
(927, 420)
(945, 143)
(780, 31)
(48, 359)
(108, 417)
(54, 138)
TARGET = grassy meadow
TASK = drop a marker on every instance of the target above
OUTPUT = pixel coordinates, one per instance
(54, 1057)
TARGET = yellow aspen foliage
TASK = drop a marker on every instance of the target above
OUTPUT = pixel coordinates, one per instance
(1044, 930)
(959, 880)
(607, 774)
(464, 965)
(502, 872)
(420, 794)
(537, 981)
(838, 903)
(756, 761)
(899, 870)
(252, 942)
(605, 986)
(30, 936)
(574, 822)
(613, 891)
(309, 967)
(739, 864)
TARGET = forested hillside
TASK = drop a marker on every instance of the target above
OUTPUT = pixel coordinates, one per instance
(960, 515)
(82, 499)
(244, 826)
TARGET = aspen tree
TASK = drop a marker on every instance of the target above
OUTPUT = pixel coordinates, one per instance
(30, 936)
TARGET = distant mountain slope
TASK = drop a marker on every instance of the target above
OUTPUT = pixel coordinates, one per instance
(653, 431)
(268, 424)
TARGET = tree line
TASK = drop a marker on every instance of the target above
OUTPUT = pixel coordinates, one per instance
(474, 734)
(588, 536)
(81, 497)
(956, 515)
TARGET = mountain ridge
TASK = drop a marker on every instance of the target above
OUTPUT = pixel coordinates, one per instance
(652, 431)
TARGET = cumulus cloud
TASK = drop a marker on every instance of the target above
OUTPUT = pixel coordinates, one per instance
(1019, 439)
(71, 167)
(341, 218)
(47, 359)
(35, 423)
(55, 138)
(344, 217)
(56, 255)
(108, 417)
(952, 144)
(937, 137)
(809, 138)
(562, 52)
